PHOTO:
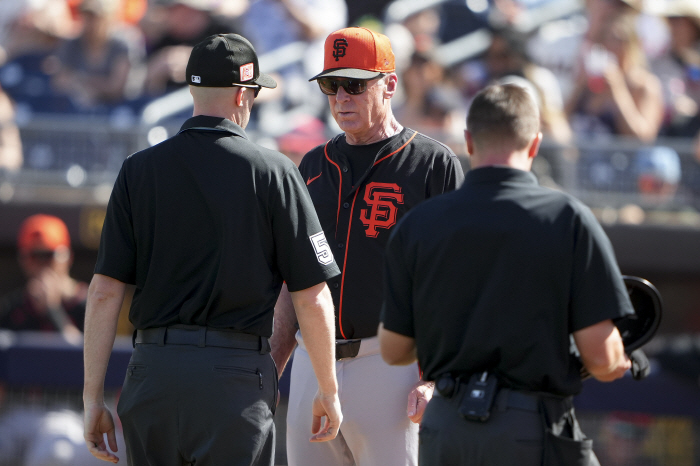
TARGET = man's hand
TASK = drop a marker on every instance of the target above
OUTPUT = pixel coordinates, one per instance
(327, 406)
(418, 399)
(45, 290)
(98, 421)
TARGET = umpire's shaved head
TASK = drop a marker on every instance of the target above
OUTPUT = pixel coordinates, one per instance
(503, 115)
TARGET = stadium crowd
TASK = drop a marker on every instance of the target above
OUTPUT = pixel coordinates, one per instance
(602, 71)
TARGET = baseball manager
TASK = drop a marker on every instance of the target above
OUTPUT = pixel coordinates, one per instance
(362, 182)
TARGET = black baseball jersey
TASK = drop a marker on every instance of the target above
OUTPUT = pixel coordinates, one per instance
(208, 225)
(496, 276)
(359, 210)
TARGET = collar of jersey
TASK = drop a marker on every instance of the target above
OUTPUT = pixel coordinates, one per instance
(388, 147)
(499, 175)
(208, 123)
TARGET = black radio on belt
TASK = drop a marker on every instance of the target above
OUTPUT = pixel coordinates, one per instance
(478, 396)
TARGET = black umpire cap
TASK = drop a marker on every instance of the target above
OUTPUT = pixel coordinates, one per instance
(226, 60)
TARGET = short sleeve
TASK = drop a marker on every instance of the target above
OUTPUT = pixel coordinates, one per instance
(454, 173)
(116, 256)
(447, 174)
(303, 255)
(598, 290)
(397, 309)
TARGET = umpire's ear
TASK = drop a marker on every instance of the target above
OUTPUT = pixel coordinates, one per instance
(534, 146)
(470, 142)
(240, 95)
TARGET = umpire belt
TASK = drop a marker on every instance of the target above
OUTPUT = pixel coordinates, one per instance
(195, 335)
(346, 349)
(509, 398)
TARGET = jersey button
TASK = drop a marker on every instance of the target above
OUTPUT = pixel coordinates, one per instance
(346, 205)
(335, 285)
(341, 245)
(345, 169)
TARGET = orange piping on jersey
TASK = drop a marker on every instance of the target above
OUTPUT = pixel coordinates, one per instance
(347, 241)
(345, 263)
(397, 150)
(340, 187)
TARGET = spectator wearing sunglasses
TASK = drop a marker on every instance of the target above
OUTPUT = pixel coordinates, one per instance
(361, 182)
(51, 299)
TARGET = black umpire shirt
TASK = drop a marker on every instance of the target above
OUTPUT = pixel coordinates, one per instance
(359, 210)
(208, 225)
(495, 276)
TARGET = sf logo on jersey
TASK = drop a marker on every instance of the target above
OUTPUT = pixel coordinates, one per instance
(382, 199)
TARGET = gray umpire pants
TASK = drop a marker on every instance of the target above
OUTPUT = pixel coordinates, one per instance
(185, 402)
(514, 434)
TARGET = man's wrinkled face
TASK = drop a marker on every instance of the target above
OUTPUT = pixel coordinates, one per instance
(358, 114)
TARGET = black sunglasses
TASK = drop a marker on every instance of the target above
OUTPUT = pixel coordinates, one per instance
(352, 86)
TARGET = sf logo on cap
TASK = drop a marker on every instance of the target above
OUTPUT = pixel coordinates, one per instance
(339, 46)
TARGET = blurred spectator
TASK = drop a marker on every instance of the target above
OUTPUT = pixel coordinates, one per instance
(93, 68)
(51, 299)
(33, 32)
(172, 28)
(552, 45)
(33, 27)
(133, 11)
(309, 133)
(506, 60)
(273, 24)
(615, 92)
(424, 26)
(431, 103)
(507, 56)
(679, 68)
(37, 431)
(39, 436)
(10, 142)
(658, 171)
(622, 438)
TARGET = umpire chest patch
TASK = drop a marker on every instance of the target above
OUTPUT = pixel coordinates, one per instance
(323, 251)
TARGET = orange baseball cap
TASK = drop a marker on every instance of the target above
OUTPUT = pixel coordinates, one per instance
(42, 232)
(356, 52)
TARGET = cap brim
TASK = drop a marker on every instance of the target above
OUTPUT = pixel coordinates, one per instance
(265, 80)
(347, 73)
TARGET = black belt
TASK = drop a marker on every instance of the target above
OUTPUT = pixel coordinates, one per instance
(346, 349)
(195, 335)
(505, 398)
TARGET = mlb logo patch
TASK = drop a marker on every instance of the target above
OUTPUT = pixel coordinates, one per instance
(196, 79)
(246, 72)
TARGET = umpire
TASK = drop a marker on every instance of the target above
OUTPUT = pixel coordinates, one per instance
(208, 226)
(486, 284)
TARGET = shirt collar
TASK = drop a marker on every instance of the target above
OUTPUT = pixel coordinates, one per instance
(494, 174)
(213, 124)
